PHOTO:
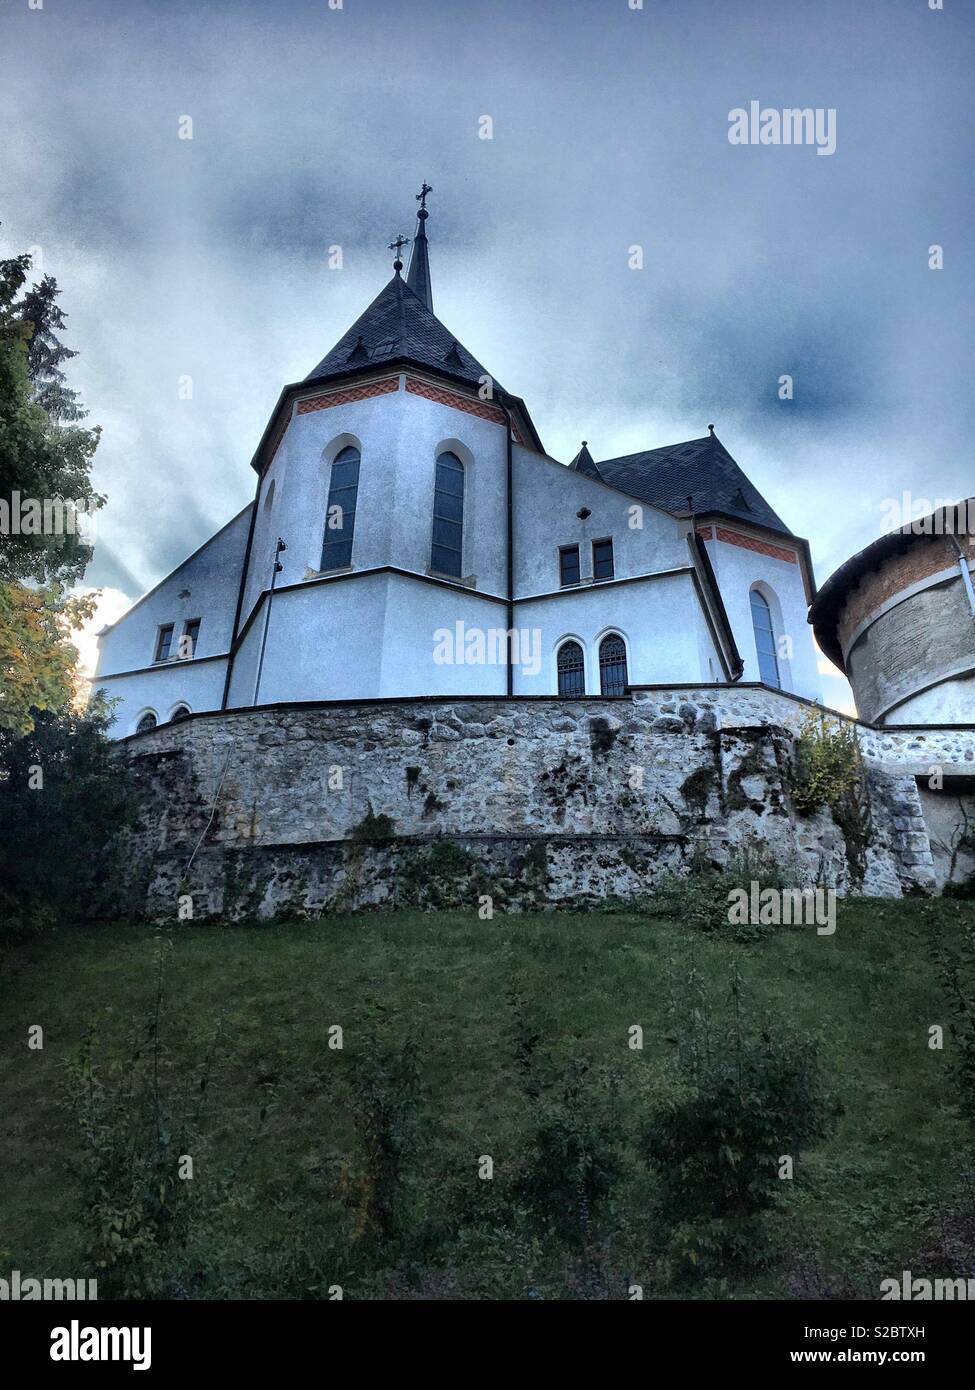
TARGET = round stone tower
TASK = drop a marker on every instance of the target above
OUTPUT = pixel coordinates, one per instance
(899, 620)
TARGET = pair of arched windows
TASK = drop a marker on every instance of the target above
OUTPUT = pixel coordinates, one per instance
(148, 720)
(447, 545)
(571, 665)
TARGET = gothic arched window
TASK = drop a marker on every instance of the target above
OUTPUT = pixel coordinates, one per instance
(612, 665)
(147, 721)
(571, 664)
(447, 551)
(343, 489)
(768, 662)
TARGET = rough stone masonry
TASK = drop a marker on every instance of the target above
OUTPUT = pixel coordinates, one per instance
(536, 801)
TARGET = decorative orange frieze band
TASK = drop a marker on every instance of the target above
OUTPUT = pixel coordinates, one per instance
(482, 409)
(777, 552)
(351, 393)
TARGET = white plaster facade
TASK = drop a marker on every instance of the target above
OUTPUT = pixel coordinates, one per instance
(376, 628)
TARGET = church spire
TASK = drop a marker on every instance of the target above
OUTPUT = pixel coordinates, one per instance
(418, 275)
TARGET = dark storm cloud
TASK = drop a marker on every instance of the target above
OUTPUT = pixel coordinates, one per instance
(207, 258)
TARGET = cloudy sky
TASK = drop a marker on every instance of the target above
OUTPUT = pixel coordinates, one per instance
(314, 126)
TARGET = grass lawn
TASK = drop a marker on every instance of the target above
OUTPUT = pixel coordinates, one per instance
(315, 1166)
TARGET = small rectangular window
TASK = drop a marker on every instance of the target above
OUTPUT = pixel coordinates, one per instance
(188, 641)
(568, 565)
(602, 559)
(164, 642)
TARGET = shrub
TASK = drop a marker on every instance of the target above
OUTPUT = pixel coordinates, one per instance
(574, 1159)
(828, 763)
(138, 1124)
(737, 1106)
(63, 796)
(700, 898)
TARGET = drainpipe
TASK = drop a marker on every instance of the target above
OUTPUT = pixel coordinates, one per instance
(240, 594)
(510, 605)
(278, 567)
(965, 571)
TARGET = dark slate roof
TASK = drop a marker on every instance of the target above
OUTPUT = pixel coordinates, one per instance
(701, 469)
(399, 325)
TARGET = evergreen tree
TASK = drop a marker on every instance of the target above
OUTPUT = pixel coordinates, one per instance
(44, 454)
(46, 352)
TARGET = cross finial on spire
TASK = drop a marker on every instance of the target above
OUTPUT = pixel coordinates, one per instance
(397, 246)
(418, 275)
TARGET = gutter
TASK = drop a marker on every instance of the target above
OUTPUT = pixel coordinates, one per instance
(509, 498)
(966, 573)
(240, 593)
(728, 649)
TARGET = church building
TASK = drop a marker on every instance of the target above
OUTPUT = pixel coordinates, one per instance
(409, 536)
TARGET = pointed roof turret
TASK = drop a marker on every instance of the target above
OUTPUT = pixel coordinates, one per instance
(584, 462)
(418, 275)
(398, 326)
(399, 330)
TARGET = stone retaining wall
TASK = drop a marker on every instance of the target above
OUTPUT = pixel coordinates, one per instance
(532, 801)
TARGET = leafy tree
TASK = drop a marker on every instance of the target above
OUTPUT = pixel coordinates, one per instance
(37, 661)
(44, 453)
(62, 797)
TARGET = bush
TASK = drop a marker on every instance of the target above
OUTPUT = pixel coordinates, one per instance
(700, 898)
(737, 1107)
(828, 764)
(63, 795)
(140, 1121)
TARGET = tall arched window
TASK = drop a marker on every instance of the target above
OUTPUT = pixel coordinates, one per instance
(612, 665)
(343, 489)
(768, 662)
(446, 554)
(571, 665)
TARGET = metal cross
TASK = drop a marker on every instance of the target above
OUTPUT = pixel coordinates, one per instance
(398, 245)
(421, 197)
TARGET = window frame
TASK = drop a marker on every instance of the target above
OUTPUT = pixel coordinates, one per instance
(565, 550)
(613, 636)
(190, 622)
(161, 631)
(604, 578)
(329, 533)
(437, 545)
(766, 609)
(580, 670)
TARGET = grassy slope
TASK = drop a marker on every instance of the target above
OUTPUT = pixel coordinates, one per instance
(450, 983)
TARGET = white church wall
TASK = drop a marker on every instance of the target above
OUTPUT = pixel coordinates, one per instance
(547, 498)
(209, 579)
(196, 684)
(324, 642)
(399, 435)
(438, 640)
(655, 618)
(738, 570)
(205, 586)
(949, 702)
